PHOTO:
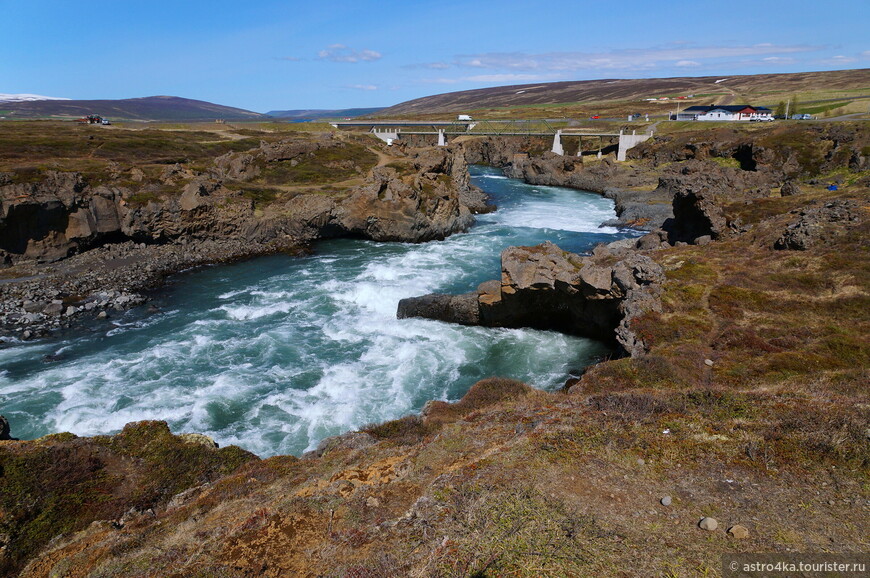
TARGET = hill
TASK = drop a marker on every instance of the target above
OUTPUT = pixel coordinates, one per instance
(755, 89)
(314, 114)
(151, 108)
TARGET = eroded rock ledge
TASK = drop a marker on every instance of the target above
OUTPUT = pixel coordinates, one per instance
(71, 241)
(545, 287)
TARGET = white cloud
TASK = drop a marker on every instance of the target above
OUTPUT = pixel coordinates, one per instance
(290, 58)
(865, 54)
(628, 59)
(441, 80)
(509, 77)
(838, 59)
(428, 66)
(687, 63)
(362, 86)
(343, 53)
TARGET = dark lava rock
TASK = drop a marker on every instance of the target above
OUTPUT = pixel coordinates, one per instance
(4, 429)
(696, 215)
(789, 188)
(547, 288)
(460, 309)
(817, 224)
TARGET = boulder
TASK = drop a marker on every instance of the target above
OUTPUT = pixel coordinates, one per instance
(739, 532)
(815, 225)
(789, 188)
(198, 439)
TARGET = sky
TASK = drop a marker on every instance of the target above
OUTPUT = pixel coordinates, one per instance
(264, 55)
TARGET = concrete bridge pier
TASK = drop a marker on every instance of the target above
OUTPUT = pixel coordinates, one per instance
(626, 141)
(441, 140)
(386, 135)
(557, 143)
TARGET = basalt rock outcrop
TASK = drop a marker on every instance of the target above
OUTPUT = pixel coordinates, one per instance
(392, 209)
(55, 217)
(696, 217)
(707, 175)
(696, 190)
(62, 214)
(4, 429)
(547, 288)
(816, 225)
(190, 218)
(782, 152)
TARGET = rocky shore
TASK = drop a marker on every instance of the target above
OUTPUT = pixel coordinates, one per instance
(72, 250)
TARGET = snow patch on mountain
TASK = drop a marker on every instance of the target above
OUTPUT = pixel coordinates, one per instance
(27, 97)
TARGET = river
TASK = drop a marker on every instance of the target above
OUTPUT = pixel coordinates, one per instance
(277, 353)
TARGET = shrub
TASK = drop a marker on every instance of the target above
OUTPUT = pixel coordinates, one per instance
(484, 393)
(407, 430)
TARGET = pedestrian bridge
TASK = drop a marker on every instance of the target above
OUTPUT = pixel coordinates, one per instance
(389, 131)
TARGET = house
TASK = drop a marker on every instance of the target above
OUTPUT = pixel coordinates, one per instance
(726, 113)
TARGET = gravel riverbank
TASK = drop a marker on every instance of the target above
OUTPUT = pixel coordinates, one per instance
(43, 298)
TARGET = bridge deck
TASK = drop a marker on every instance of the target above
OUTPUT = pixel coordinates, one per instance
(483, 127)
(509, 133)
(343, 123)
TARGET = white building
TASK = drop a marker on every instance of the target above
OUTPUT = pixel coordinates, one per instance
(726, 113)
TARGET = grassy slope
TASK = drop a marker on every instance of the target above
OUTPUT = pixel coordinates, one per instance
(107, 155)
(618, 98)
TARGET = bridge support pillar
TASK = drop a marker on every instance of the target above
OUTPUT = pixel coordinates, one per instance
(388, 136)
(626, 141)
(441, 140)
(557, 143)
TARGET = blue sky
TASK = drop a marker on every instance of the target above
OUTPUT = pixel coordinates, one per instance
(266, 55)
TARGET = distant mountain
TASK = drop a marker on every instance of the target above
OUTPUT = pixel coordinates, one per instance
(724, 88)
(27, 97)
(151, 108)
(315, 114)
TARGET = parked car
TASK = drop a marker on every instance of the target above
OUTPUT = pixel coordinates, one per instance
(596, 117)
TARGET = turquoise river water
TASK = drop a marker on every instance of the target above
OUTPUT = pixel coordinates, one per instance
(277, 353)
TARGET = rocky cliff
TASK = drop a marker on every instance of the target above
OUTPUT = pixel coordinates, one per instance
(547, 288)
(280, 195)
(62, 214)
